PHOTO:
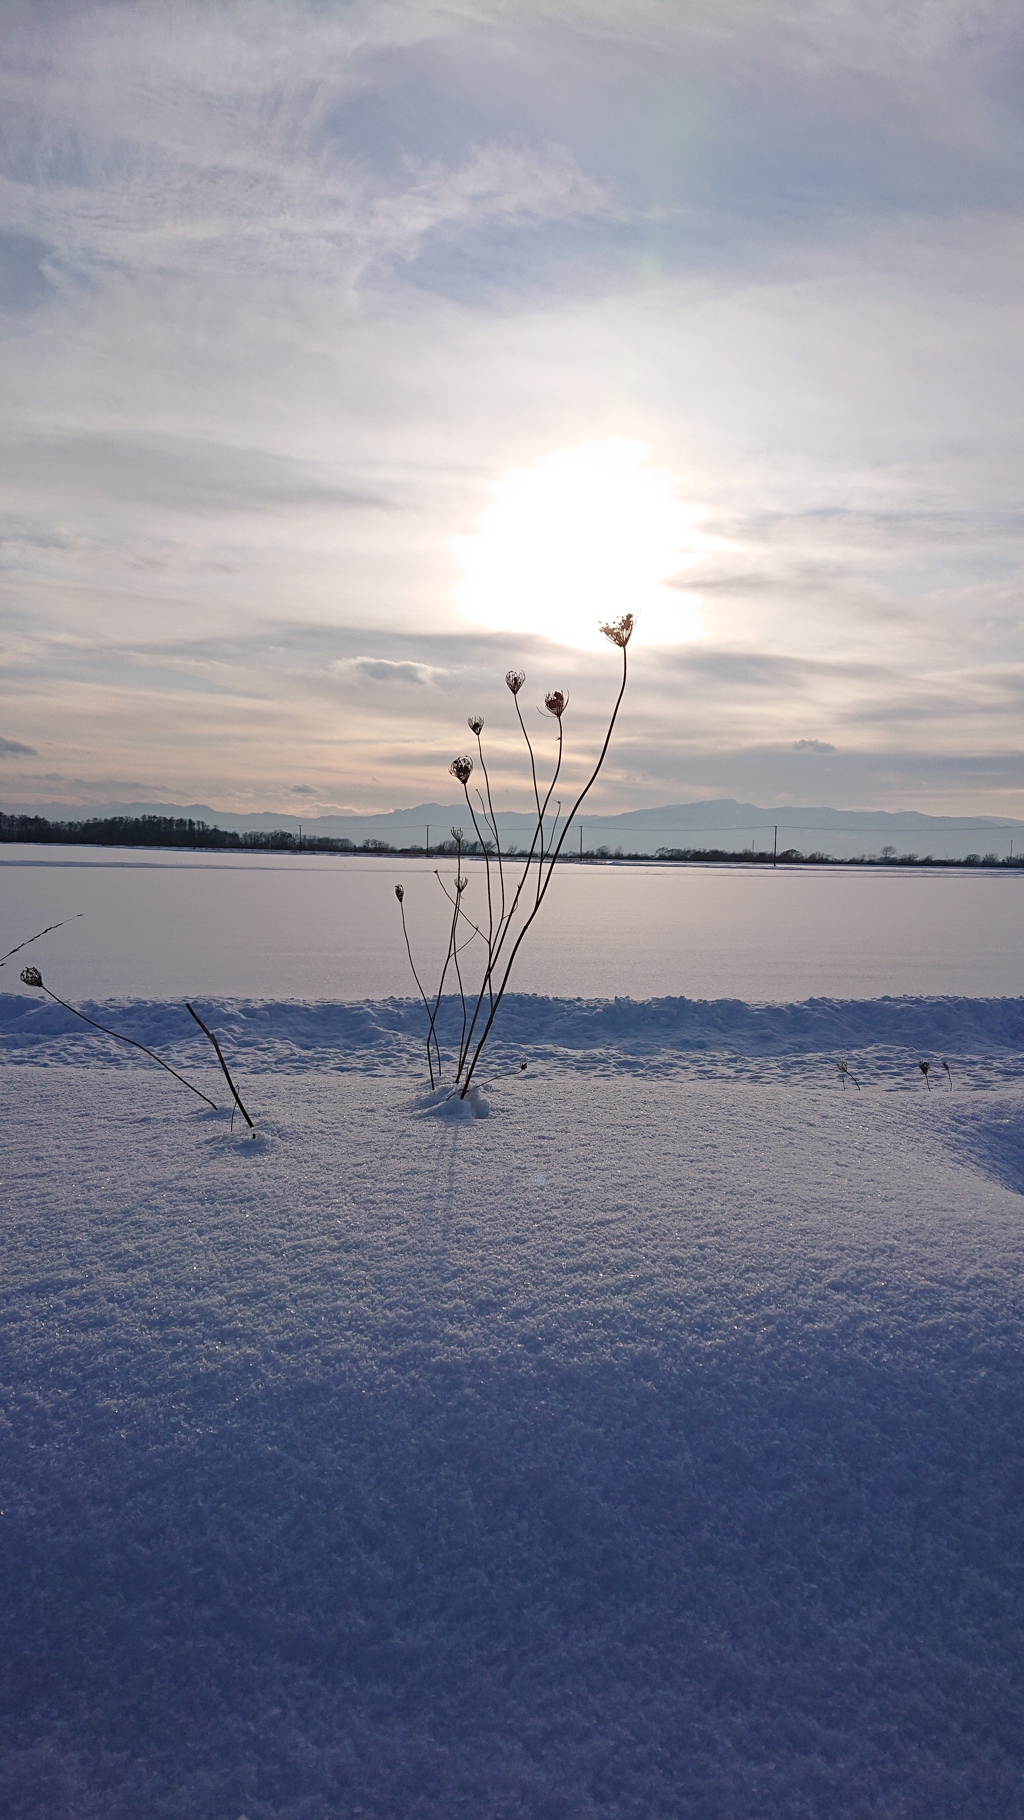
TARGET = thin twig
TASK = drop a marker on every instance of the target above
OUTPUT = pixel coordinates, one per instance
(36, 938)
(494, 824)
(533, 767)
(487, 868)
(448, 956)
(32, 977)
(547, 799)
(223, 1063)
(477, 931)
(400, 894)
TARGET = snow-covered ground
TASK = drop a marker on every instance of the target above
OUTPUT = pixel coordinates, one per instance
(282, 926)
(650, 1450)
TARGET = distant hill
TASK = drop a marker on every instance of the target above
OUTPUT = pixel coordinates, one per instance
(717, 822)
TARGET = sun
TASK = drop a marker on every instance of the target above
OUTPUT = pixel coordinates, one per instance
(583, 535)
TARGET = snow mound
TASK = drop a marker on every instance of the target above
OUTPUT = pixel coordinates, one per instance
(443, 1103)
(983, 1039)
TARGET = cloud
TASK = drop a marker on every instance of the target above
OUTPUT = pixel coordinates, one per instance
(177, 474)
(812, 745)
(288, 288)
(12, 748)
(23, 281)
(384, 670)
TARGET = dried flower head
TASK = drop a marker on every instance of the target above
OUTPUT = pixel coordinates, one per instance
(475, 723)
(461, 768)
(399, 892)
(514, 680)
(557, 702)
(457, 836)
(31, 976)
(460, 884)
(620, 631)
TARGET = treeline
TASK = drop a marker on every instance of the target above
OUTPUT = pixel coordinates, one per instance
(182, 831)
(171, 831)
(792, 856)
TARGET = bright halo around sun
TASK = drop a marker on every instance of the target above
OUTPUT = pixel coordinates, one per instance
(584, 535)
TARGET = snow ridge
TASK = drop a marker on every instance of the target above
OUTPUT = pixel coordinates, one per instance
(982, 1038)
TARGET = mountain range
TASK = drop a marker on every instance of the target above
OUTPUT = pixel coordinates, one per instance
(716, 822)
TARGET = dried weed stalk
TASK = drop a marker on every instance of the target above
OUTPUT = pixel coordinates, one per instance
(27, 943)
(31, 976)
(236, 1096)
(513, 902)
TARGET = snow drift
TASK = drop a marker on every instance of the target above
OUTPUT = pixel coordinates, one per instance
(982, 1039)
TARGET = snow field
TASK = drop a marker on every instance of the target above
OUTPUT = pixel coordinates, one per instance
(651, 1449)
(174, 925)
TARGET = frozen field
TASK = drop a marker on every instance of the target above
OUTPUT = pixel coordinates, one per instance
(651, 1450)
(158, 925)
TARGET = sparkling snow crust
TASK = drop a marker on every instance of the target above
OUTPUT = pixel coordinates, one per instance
(651, 1448)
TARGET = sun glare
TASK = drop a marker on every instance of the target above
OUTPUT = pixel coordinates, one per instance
(584, 534)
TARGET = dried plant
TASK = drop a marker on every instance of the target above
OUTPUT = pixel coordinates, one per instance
(31, 976)
(948, 1076)
(925, 1068)
(845, 1075)
(27, 943)
(400, 894)
(512, 903)
(220, 1057)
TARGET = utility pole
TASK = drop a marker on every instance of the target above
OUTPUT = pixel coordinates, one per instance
(300, 837)
(428, 841)
(581, 845)
(775, 849)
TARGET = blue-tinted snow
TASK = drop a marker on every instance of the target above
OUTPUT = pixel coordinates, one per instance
(883, 1039)
(651, 1449)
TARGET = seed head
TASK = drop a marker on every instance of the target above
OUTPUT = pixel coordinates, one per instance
(557, 702)
(399, 892)
(514, 680)
(457, 836)
(475, 723)
(31, 976)
(620, 631)
(460, 885)
(461, 768)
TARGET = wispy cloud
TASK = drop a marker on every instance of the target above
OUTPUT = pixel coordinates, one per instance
(383, 670)
(284, 289)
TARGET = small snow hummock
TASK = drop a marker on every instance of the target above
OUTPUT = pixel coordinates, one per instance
(450, 1103)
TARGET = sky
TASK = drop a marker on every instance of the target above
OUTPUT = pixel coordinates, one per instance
(354, 352)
